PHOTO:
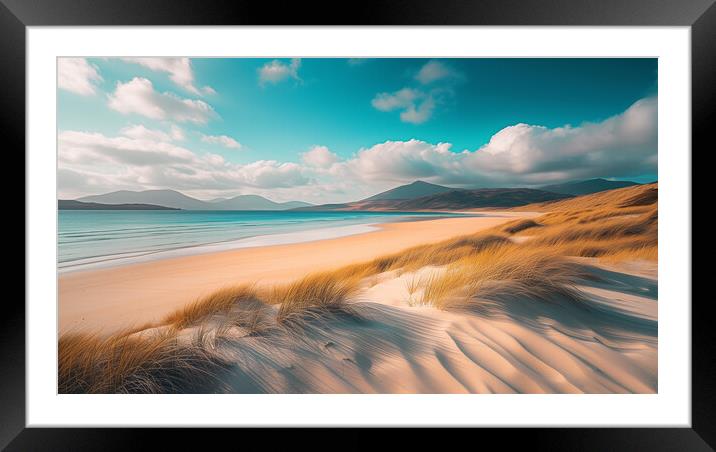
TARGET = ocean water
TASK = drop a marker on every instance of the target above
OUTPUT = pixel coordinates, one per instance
(99, 238)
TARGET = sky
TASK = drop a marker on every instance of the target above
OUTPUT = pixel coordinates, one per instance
(336, 129)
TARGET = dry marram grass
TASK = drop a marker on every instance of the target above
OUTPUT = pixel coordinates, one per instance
(614, 225)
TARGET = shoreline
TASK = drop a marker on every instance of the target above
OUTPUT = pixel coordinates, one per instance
(117, 297)
(259, 240)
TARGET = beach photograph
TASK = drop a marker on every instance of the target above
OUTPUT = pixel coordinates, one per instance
(357, 225)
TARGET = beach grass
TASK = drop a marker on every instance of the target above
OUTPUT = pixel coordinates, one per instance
(125, 363)
(615, 225)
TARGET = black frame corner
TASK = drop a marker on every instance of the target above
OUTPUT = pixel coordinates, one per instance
(16, 15)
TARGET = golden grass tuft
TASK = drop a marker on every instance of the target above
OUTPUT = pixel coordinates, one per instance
(617, 224)
(614, 225)
(412, 286)
(515, 271)
(221, 301)
(315, 292)
(514, 227)
(122, 363)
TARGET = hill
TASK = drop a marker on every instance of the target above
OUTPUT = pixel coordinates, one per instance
(254, 202)
(68, 204)
(485, 197)
(454, 199)
(620, 198)
(417, 189)
(586, 187)
(176, 200)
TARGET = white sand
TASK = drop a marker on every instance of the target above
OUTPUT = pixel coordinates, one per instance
(605, 345)
(109, 299)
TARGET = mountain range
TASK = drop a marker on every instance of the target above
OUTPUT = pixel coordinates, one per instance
(69, 204)
(417, 189)
(176, 200)
(421, 195)
(418, 195)
(446, 198)
(585, 187)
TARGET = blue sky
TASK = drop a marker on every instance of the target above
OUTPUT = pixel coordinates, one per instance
(329, 130)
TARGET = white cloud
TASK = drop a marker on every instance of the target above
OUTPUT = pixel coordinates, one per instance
(177, 133)
(277, 71)
(77, 75)
(140, 132)
(319, 157)
(419, 114)
(624, 145)
(270, 173)
(621, 146)
(92, 162)
(138, 96)
(397, 100)
(398, 161)
(433, 71)
(415, 106)
(179, 69)
(222, 140)
(91, 148)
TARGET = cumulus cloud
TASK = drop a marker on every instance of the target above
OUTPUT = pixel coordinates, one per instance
(621, 146)
(415, 106)
(143, 159)
(397, 100)
(433, 71)
(277, 71)
(222, 140)
(418, 114)
(77, 75)
(624, 145)
(398, 161)
(139, 97)
(140, 132)
(319, 157)
(89, 148)
(179, 69)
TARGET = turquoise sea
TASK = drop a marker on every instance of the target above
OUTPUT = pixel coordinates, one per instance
(98, 238)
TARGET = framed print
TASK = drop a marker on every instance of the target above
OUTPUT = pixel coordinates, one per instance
(422, 216)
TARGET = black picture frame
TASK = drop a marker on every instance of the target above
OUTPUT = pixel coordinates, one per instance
(16, 15)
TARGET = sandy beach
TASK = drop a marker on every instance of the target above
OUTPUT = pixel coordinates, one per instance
(412, 226)
(563, 301)
(113, 298)
(607, 344)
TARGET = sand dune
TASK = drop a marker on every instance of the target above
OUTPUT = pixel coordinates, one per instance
(115, 298)
(606, 345)
(563, 303)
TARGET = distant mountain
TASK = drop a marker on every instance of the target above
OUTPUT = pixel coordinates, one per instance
(166, 198)
(254, 202)
(174, 199)
(294, 204)
(484, 197)
(586, 187)
(453, 199)
(417, 189)
(67, 204)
